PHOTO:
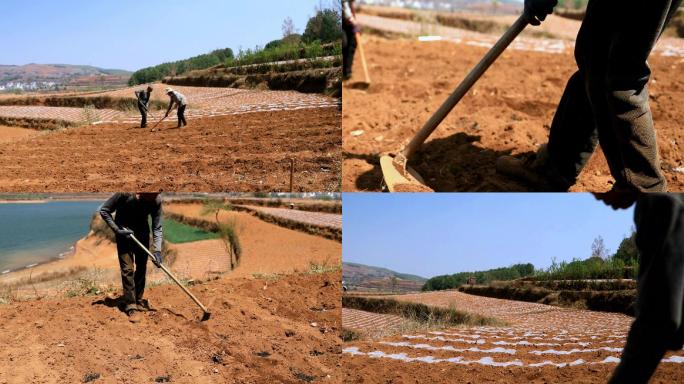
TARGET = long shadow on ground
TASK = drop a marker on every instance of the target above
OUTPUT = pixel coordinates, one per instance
(453, 163)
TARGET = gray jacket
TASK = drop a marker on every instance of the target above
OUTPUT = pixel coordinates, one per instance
(133, 214)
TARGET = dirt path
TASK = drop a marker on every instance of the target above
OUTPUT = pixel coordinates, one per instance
(316, 218)
(268, 248)
(259, 331)
(541, 344)
(248, 152)
(12, 134)
(508, 111)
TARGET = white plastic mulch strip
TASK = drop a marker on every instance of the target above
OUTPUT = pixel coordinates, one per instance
(447, 348)
(354, 351)
(573, 351)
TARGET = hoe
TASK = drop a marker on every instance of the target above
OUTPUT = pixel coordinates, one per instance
(397, 175)
(365, 84)
(206, 314)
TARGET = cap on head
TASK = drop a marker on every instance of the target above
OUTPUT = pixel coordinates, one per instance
(168, 90)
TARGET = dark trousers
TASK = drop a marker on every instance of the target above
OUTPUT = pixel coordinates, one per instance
(133, 263)
(348, 50)
(658, 326)
(606, 100)
(181, 116)
(143, 113)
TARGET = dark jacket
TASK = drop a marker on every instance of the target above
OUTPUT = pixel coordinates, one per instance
(143, 98)
(133, 214)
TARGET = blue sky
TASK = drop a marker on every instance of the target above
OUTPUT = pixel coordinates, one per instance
(435, 234)
(128, 34)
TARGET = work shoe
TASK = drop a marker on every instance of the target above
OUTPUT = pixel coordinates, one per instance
(143, 305)
(533, 170)
(134, 316)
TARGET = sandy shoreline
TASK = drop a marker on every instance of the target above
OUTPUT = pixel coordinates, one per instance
(88, 252)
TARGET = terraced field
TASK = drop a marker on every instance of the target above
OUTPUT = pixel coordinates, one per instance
(202, 102)
(314, 218)
(541, 344)
(372, 323)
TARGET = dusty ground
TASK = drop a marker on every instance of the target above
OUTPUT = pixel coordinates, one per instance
(268, 248)
(541, 344)
(273, 319)
(507, 112)
(11, 134)
(283, 330)
(246, 152)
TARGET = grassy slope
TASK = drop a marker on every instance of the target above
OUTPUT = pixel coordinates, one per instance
(175, 232)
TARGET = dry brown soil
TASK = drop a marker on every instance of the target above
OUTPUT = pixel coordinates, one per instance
(247, 152)
(507, 112)
(281, 330)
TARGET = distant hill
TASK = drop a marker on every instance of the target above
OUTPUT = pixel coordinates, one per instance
(50, 76)
(365, 277)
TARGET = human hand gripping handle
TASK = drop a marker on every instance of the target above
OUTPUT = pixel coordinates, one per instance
(123, 231)
(157, 259)
(537, 10)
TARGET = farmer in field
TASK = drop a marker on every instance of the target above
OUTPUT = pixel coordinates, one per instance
(177, 100)
(127, 214)
(659, 323)
(350, 28)
(144, 104)
(605, 102)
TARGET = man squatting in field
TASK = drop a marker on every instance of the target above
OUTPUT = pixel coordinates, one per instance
(350, 28)
(132, 211)
(659, 323)
(177, 100)
(605, 101)
(144, 104)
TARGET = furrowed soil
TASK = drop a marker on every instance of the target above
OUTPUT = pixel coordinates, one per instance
(540, 344)
(244, 152)
(507, 112)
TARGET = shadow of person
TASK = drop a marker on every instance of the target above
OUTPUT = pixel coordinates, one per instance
(111, 303)
(456, 163)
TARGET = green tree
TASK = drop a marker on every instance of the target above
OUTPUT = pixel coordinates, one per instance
(325, 26)
(627, 250)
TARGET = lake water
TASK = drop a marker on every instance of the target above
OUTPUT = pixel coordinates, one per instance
(33, 233)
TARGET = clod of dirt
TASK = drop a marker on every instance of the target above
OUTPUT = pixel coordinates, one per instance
(304, 377)
(411, 188)
(163, 379)
(262, 354)
(316, 353)
(136, 357)
(90, 377)
(217, 359)
(289, 333)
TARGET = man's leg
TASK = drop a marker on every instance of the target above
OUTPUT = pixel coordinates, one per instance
(140, 272)
(349, 48)
(573, 136)
(127, 265)
(660, 305)
(143, 113)
(628, 139)
(181, 116)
